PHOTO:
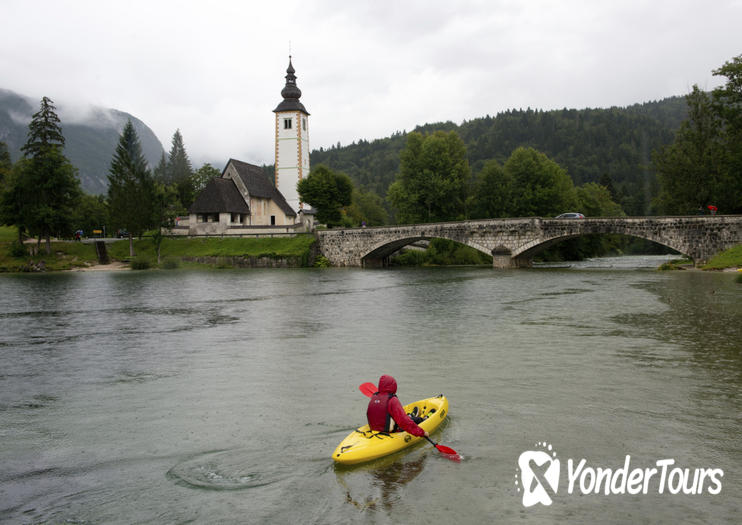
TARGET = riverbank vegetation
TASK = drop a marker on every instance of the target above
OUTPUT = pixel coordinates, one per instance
(187, 252)
(731, 258)
(175, 252)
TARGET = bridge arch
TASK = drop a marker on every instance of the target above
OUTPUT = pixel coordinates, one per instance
(379, 253)
(528, 251)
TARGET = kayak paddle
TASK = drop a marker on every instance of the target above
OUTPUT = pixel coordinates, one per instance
(368, 389)
(446, 451)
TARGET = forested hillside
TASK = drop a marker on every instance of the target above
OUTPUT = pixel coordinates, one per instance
(593, 145)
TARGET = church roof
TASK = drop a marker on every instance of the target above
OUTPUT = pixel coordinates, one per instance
(291, 94)
(219, 195)
(259, 185)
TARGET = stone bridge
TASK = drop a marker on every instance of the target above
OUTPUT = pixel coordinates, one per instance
(513, 242)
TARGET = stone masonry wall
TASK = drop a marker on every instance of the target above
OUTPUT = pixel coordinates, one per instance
(513, 242)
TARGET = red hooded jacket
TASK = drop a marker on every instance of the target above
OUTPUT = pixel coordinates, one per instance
(384, 407)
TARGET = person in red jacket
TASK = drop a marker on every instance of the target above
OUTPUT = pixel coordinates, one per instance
(384, 410)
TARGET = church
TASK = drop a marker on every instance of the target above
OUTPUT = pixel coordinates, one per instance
(243, 200)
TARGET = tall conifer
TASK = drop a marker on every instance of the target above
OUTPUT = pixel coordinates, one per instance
(131, 187)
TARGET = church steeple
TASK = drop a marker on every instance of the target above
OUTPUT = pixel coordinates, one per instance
(291, 93)
(292, 141)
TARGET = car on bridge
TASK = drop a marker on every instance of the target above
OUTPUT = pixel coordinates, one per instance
(570, 215)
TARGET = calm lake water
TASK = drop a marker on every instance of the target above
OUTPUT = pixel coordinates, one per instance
(218, 396)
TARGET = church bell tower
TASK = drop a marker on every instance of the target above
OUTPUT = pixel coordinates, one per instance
(292, 141)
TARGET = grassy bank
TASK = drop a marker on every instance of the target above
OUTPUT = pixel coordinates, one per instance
(731, 258)
(64, 256)
(175, 249)
(174, 252)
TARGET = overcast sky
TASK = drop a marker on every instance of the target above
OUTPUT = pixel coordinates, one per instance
(366, 68)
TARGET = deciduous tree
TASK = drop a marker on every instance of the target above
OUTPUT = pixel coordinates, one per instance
(541, 186)
(431, 184)
(327, 191)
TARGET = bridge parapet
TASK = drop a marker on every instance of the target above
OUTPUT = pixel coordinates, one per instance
(513, 242)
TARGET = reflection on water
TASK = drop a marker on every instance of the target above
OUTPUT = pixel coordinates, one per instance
(384, 477)
(196, 396)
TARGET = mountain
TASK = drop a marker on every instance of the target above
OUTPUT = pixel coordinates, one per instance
(593, 145)
(91, 136)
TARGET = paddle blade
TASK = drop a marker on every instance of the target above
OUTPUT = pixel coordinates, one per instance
(449, 453)
(367, 389)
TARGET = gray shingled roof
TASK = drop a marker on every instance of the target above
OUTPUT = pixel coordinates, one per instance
(259, 185)
(220, 195)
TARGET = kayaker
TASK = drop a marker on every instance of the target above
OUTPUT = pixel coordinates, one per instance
(384, 410)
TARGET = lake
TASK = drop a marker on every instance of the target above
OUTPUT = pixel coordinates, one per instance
(218, 396)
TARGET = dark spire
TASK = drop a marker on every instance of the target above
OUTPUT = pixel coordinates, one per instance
(291, 93)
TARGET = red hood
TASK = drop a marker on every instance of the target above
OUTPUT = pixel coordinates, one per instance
(387, 385)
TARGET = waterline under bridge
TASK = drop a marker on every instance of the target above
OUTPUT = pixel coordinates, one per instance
(513, 242)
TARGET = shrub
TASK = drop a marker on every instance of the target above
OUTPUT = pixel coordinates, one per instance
(17, 249)
(321, 262)
(140, 263)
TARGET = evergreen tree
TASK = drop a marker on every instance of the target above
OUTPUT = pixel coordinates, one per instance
(5, 163)
(131, 188)
(702, 166)
(179, 171)
(44, 188)
(689, 169)
(44, 131)
(160, 172)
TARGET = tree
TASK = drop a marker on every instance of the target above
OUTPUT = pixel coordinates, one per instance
(91, 213)
(689, 169)
(594, 200)
(703, 165)
(45, 188)
(202, 176)
(5, 163)
(12, 198)
(179, 171)
(165, 211)
(44, 131)
(6, 167)
(160, 171)
(492, 194)
(727, 103)
(131, 188)
(327, 191)
(541, 186)
(431, 184)
(367, 208)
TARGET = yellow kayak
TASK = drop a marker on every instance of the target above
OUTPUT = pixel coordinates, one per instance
(364, 444)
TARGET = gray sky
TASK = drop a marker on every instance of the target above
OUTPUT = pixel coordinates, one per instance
(366, 68)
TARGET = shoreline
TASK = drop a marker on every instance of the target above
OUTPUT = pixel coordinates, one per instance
(115, 266)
